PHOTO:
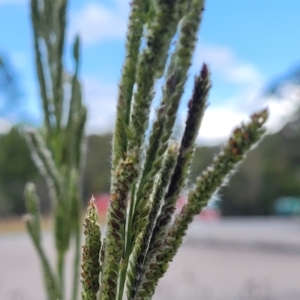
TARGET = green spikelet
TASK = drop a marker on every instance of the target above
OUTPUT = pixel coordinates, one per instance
(158, 144)
(242, 139)
(197, 106)
(45, 162)
(149, 169)
(90, 254)
(209, 182)
(134, 36)
(136, 269)
(172, 92)
(124, 175)
(149, 64)
(33, 208)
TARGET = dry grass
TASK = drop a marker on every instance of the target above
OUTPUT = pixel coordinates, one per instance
(16, 224)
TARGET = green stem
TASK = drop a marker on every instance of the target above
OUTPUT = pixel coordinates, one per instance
(60, 269)
(52, 290)
(49, 278)
(128, 246)
(76, 260)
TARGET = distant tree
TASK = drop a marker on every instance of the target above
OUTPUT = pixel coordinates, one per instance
(269, 172)
(9, 89)
(96, 172)
(16, 168)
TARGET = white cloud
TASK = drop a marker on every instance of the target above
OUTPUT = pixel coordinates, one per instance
(218, 123)
(5, 126)
(224, 62)
(219, 120)
(282, 109)
(96, 23)
(101, 99)
(19, 59)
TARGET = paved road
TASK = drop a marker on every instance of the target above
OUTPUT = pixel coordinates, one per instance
(228, 260)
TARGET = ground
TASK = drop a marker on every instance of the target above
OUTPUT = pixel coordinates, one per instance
(226, 260)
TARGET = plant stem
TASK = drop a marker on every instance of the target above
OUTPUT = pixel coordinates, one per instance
(60, 268)
(128, 247)
(76, 260)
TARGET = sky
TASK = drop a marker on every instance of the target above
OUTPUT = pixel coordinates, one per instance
(246, 44)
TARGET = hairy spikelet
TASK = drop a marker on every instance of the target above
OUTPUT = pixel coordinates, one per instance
(210, 180)
(150, 60)
(90, 254)
(136, 21)
(136, 269)
(124, 175)
(197, 105)
(149, 169)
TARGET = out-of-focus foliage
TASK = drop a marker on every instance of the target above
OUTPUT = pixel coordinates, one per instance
(9, 89)
(16, 168)
(97, 166)
(270, 171)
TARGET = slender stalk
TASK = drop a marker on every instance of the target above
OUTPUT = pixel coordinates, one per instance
(60, 269)
(33, 225)
(76, 209)
(76, 262)
(128, 249)
(51, 285)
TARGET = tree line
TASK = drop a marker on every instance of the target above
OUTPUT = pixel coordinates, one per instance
(270, 171)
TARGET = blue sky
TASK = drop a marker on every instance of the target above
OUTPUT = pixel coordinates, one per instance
(245, 43)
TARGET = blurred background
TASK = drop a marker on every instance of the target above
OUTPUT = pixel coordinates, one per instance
(253, 51)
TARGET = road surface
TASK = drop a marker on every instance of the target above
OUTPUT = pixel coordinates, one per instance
(228, 260)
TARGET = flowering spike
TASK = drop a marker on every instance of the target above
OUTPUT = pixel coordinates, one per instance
(90, 254)
(242, 139)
